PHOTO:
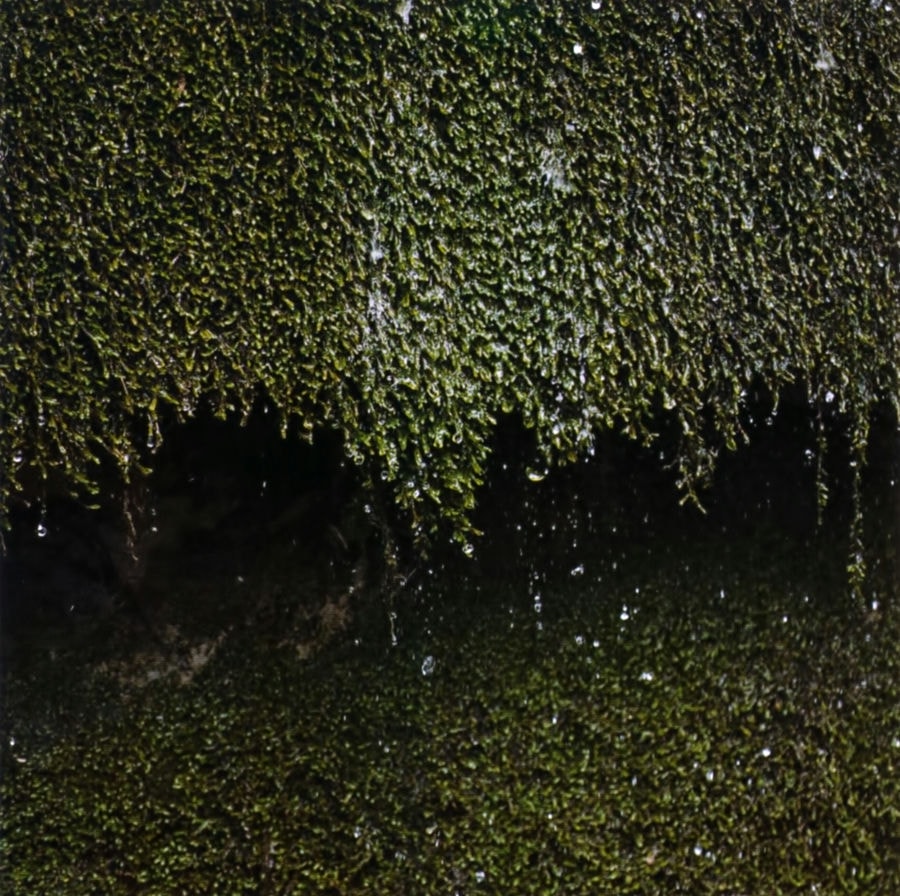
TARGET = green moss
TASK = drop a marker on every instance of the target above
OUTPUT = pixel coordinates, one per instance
(698, 723)
(400, 226)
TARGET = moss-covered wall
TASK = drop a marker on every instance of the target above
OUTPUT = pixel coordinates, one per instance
(401, 220)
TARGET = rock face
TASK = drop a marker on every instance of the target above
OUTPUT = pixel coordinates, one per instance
(151, 588)
(59, 565)
(232, 522)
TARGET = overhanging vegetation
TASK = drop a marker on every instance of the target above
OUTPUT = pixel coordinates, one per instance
(400, 221)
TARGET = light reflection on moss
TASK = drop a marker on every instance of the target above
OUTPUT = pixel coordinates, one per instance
(401, 231)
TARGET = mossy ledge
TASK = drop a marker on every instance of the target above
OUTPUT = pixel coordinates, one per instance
(399, 222)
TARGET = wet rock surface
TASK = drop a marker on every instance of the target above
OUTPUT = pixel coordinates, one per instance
(234, 527)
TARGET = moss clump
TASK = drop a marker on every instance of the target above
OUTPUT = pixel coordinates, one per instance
(400, 223)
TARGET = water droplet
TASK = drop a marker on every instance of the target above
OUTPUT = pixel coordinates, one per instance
(765, 752)
(41, 529)
(596, 4)
(578, 49)
(825, 61)
(18, 457)
(428, 665)
(404, 8)
(469, 550)
(829, 397)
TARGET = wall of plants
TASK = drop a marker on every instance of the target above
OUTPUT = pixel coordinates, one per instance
(401, 221)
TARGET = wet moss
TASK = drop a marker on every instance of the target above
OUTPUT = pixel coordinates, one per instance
(400, 223)
(704, 723)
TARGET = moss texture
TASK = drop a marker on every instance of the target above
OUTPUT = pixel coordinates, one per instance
(399, 221)
(705, 716)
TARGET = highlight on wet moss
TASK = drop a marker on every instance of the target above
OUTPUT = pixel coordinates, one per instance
(402, 221)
